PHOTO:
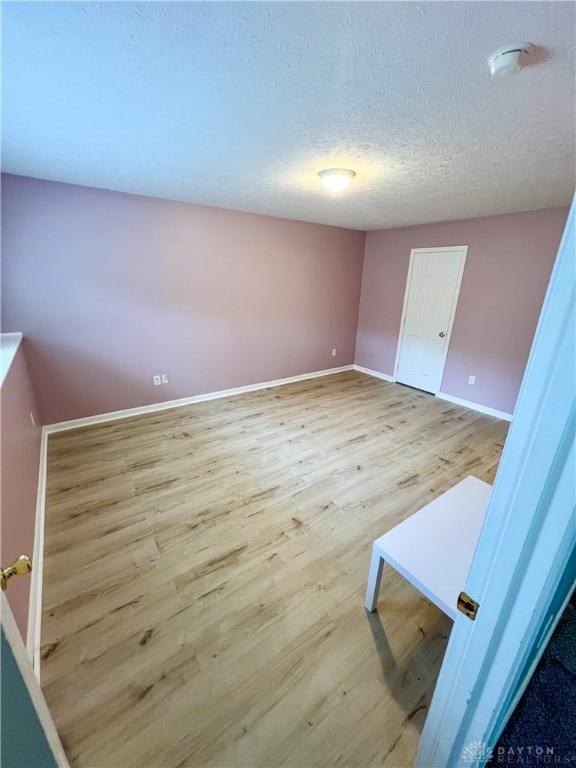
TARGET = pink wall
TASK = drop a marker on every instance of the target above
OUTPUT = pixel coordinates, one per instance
(110, 289)
(507, 270)
(19, 476)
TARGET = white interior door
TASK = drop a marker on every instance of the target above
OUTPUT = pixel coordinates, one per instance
(430, 301)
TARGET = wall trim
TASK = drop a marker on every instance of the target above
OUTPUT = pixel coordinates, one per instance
(476, 407)
(9, 346)
(62, 426)
(33, 634)
(376, 374)
(449, 398)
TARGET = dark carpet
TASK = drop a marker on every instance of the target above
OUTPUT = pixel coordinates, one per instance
(542, 728)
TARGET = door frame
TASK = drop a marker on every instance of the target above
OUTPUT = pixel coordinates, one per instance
(463, 249)
(520, 572)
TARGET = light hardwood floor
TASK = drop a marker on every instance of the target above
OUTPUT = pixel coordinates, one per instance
(205, 570)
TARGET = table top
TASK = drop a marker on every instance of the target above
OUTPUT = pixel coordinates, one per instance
(433, 548)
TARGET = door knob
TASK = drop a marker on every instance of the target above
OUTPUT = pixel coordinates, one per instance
(20, 566)
(441, 334)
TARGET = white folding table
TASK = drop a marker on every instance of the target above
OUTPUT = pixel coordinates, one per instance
(433, 548)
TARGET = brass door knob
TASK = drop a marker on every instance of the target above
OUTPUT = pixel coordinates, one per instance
(441, 334)
(20, 566)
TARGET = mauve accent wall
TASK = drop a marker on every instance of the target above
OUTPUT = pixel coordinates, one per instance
(509, 262)
(110, 289)
(19, 473)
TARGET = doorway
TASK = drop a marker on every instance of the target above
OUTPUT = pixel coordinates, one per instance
(432, 288)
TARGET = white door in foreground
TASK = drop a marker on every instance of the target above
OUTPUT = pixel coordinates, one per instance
(434, 279)
(521, 564)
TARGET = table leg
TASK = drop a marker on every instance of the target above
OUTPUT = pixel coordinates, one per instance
(374, 576)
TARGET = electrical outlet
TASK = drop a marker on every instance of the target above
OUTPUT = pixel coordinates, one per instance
(165, 379)
(471, 379)
(157, 381)
(334, 352)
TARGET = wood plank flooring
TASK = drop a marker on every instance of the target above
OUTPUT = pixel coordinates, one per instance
(205, 570)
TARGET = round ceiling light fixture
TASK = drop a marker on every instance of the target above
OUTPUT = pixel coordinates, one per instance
(336, 180)
(507, 61)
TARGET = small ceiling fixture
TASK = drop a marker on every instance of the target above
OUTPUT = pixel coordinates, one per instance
(507, 61)
(336, 180)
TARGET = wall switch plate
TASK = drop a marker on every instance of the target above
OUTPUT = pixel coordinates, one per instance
(165, 379)
(334, 352)
(157, 381)
(471, 379)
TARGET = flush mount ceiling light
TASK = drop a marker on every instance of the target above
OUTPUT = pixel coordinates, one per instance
(507, 61)
(336, 180)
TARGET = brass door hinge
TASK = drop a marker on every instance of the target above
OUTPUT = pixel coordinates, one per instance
(467, 606)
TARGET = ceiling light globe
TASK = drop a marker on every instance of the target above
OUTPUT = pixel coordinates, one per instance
(336, 180)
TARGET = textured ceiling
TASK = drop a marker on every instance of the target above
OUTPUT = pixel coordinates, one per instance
(239, 105)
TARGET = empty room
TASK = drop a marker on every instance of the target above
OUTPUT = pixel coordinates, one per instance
(288, 392)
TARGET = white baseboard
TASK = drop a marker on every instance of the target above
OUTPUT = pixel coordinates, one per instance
(62, 426)
(33, 635)
(376, 374)
(449, 398)
(476, 407)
